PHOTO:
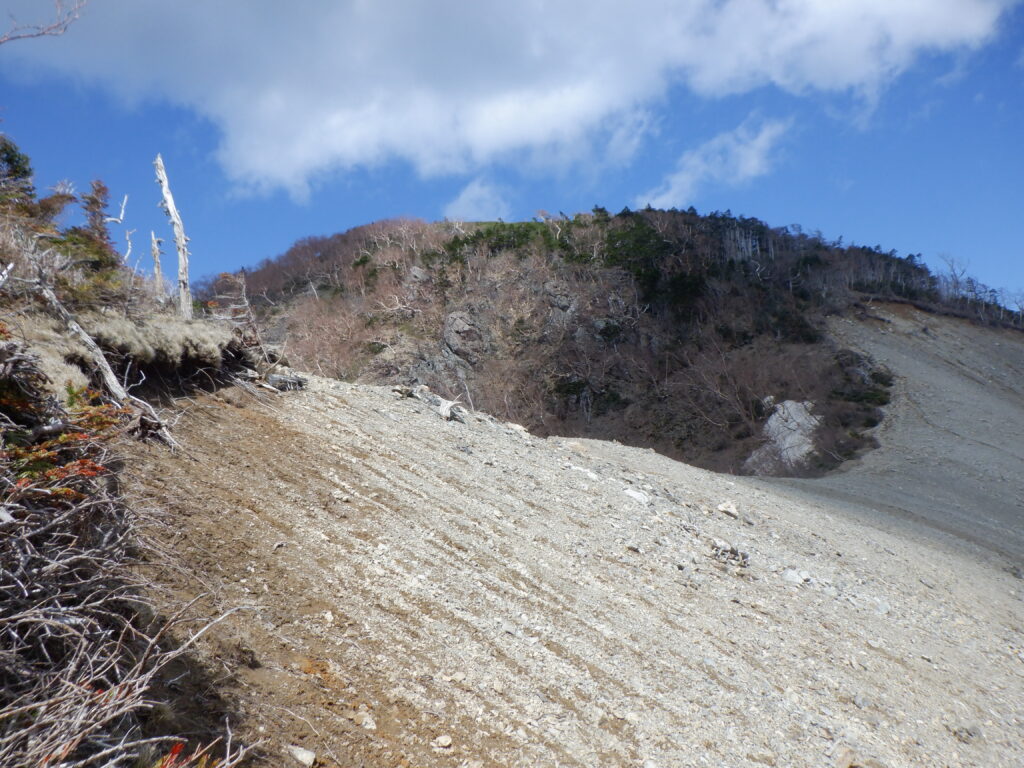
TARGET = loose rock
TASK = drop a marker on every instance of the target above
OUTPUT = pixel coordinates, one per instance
(303, 756)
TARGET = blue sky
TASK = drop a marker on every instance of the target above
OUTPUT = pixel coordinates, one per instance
(890, 122)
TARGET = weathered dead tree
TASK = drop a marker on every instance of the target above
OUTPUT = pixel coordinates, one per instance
(232, 304)
(180, 240)
(147, 420)
(158, 273)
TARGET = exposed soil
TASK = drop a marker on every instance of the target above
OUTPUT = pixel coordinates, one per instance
(424, 592)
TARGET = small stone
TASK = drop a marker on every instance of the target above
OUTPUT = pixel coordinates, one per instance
(791, 576)
(365, 720)
(303, 756)
(728, 508)
(638, 495)
(444, 741)
(508, 628)
(967, 732)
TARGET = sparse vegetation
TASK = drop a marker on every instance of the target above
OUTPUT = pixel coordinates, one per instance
(660, 328)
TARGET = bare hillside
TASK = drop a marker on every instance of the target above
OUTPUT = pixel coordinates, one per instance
(951, 450)
(428, 592)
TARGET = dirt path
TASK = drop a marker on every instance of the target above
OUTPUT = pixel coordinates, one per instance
(422, 592)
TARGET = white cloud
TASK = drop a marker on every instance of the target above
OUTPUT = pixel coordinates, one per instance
(449, 86)
(478, 201)
(730, 158)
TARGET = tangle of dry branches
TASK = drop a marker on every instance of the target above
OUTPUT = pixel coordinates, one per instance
(77, 661)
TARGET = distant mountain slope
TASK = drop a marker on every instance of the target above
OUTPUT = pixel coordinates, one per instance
(952, 444)
(664, 329)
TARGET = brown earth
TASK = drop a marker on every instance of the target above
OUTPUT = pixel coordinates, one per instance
(417, 591)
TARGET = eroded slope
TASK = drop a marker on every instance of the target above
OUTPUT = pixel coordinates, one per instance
(951, 452)
(423, 592)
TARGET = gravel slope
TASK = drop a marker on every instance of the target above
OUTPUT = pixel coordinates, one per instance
(952, 443)
(425, 592)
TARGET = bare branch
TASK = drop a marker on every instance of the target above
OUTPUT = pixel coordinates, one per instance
(119, 219)
(64, 15)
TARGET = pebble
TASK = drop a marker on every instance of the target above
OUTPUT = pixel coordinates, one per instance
(792, 576)
(638, 495)
(728, 508)
(967, 732)
(303, 756)
(365, 720)
(444, 741)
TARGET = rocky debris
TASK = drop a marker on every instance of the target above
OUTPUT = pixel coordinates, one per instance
(560, 295)
(728, 553)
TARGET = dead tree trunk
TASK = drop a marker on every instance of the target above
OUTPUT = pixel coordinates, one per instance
(148, 421)
(184, 291)
(158, 273)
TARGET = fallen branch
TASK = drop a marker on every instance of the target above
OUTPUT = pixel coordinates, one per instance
(148, 421)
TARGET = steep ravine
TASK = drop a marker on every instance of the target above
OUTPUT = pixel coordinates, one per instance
(429, 592)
